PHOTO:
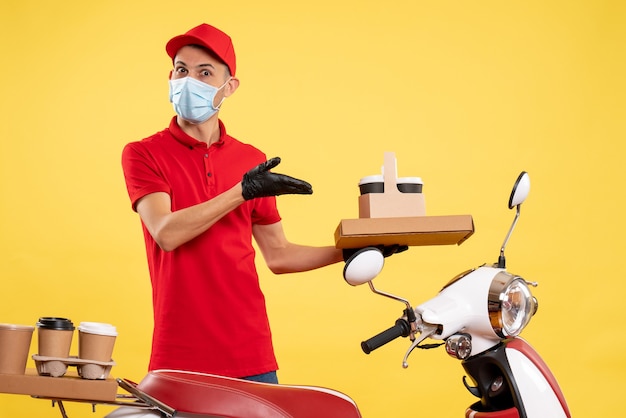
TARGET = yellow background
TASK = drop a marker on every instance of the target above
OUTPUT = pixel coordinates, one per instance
(466, 93)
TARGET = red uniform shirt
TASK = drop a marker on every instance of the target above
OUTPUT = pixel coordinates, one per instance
(209, 311)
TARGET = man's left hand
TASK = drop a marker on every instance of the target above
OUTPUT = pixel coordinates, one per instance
(260, 182)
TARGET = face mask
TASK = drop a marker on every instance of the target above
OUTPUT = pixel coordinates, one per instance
(193, 99)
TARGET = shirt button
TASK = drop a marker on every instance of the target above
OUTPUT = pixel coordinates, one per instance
(209, 174)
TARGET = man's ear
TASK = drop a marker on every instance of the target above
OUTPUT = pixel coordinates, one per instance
(231, 86)
(170, 76)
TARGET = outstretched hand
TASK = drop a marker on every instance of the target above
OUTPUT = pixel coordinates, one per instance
(260, 182)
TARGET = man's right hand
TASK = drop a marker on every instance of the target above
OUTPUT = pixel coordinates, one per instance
(260, 182)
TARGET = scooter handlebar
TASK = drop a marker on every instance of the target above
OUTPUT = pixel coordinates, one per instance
(400, 329)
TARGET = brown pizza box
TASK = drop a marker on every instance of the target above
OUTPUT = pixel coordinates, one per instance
(411, 231)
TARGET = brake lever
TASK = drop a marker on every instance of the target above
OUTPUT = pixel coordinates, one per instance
(426, 331)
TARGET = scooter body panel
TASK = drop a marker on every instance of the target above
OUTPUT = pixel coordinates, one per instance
(512, 377)
(541, 394)
(462, 306)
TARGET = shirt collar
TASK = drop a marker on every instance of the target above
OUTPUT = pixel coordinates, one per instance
(189, 141)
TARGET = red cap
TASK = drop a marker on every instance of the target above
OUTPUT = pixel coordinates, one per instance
(208, 37)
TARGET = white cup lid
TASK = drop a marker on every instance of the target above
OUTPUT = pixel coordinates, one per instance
(98, 328)
(372, 179)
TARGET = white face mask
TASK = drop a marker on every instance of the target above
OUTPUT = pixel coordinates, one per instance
(193, 99)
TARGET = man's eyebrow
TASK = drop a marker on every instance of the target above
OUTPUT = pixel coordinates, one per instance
(208, 64)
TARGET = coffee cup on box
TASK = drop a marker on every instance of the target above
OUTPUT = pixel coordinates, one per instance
(372, 184)
(410, 184)
(14, 347)
(96, 341)
(54, 336)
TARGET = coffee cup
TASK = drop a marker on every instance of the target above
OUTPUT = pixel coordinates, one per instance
(96, 341)
(372, 184)
(14, 347)
(54, 336)
(410, 184)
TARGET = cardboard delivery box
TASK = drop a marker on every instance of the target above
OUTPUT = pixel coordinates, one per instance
(412, 231)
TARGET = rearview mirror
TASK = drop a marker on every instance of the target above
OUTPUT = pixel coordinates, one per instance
(520, 190)
(363, 266)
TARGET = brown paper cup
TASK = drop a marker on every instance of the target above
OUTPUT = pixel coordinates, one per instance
(54, 343)
(14, 347)
(54, 336)
(96, 341)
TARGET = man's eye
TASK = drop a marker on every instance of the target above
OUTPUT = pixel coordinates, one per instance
(206, 73)
(181, 70)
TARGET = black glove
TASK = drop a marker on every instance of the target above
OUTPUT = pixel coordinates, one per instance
(259, 182)
(387, 250)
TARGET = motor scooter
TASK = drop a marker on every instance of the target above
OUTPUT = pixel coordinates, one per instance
(478, 316)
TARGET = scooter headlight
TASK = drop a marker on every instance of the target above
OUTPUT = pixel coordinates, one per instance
(511, 305)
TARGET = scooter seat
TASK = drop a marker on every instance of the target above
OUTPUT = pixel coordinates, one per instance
(205, 394)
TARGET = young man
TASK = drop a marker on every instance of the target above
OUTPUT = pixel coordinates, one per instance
(201, 196)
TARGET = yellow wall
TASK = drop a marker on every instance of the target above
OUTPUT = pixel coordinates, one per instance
(467, 93)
